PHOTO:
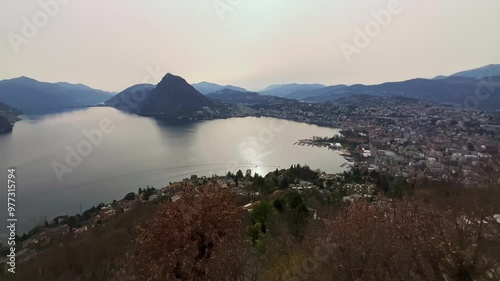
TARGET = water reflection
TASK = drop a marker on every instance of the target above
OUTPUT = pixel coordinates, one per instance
(142, 151)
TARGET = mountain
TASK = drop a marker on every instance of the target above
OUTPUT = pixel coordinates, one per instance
(440, 77)
(173, 96)
(286, 89)
(252, 100)
(131, 98)
(485, 71)
(27, 94)
(5, 125)
(207, 87)
(8, 116)
(247, 98)
(232, 96)
(367, 101)
(9, 112)
(302, 94)
(78, 87)
(454, 90)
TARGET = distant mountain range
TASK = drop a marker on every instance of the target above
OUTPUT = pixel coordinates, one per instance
(479, 85)
(173, 96)
(491, 70)
(448, 91)
(453, 90)
(303, 94)
(207, 87)
(247, 98)
(232, 96)
(28, 94)
(284, 90)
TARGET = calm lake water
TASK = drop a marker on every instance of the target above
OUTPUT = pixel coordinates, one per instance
(137, 151)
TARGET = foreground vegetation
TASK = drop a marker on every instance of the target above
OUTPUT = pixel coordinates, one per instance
(99, 254)
(420, 231)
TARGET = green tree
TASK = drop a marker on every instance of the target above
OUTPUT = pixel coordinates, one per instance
(280, 205)
(255, 232)
(284, 183)
(267, 187)
(73, 222)
(293, 199)
(239, 174)
(130, 196)
(261, 213)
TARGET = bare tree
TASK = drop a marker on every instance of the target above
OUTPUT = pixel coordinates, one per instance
(198, 237)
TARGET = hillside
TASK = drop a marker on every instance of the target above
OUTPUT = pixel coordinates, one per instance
(485, 71)
(248, 98)
(131, 98)
(8, 116)
(232, 96)
(302, 94)
(5, 125)
(207, 87)
(9, 112)
(286, 89)
(27, 94)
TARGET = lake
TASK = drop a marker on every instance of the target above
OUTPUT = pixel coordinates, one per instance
(95, 155)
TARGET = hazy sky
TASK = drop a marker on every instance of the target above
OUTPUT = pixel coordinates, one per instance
(250, 43)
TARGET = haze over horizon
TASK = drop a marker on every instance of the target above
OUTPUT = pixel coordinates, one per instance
(256, 43)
